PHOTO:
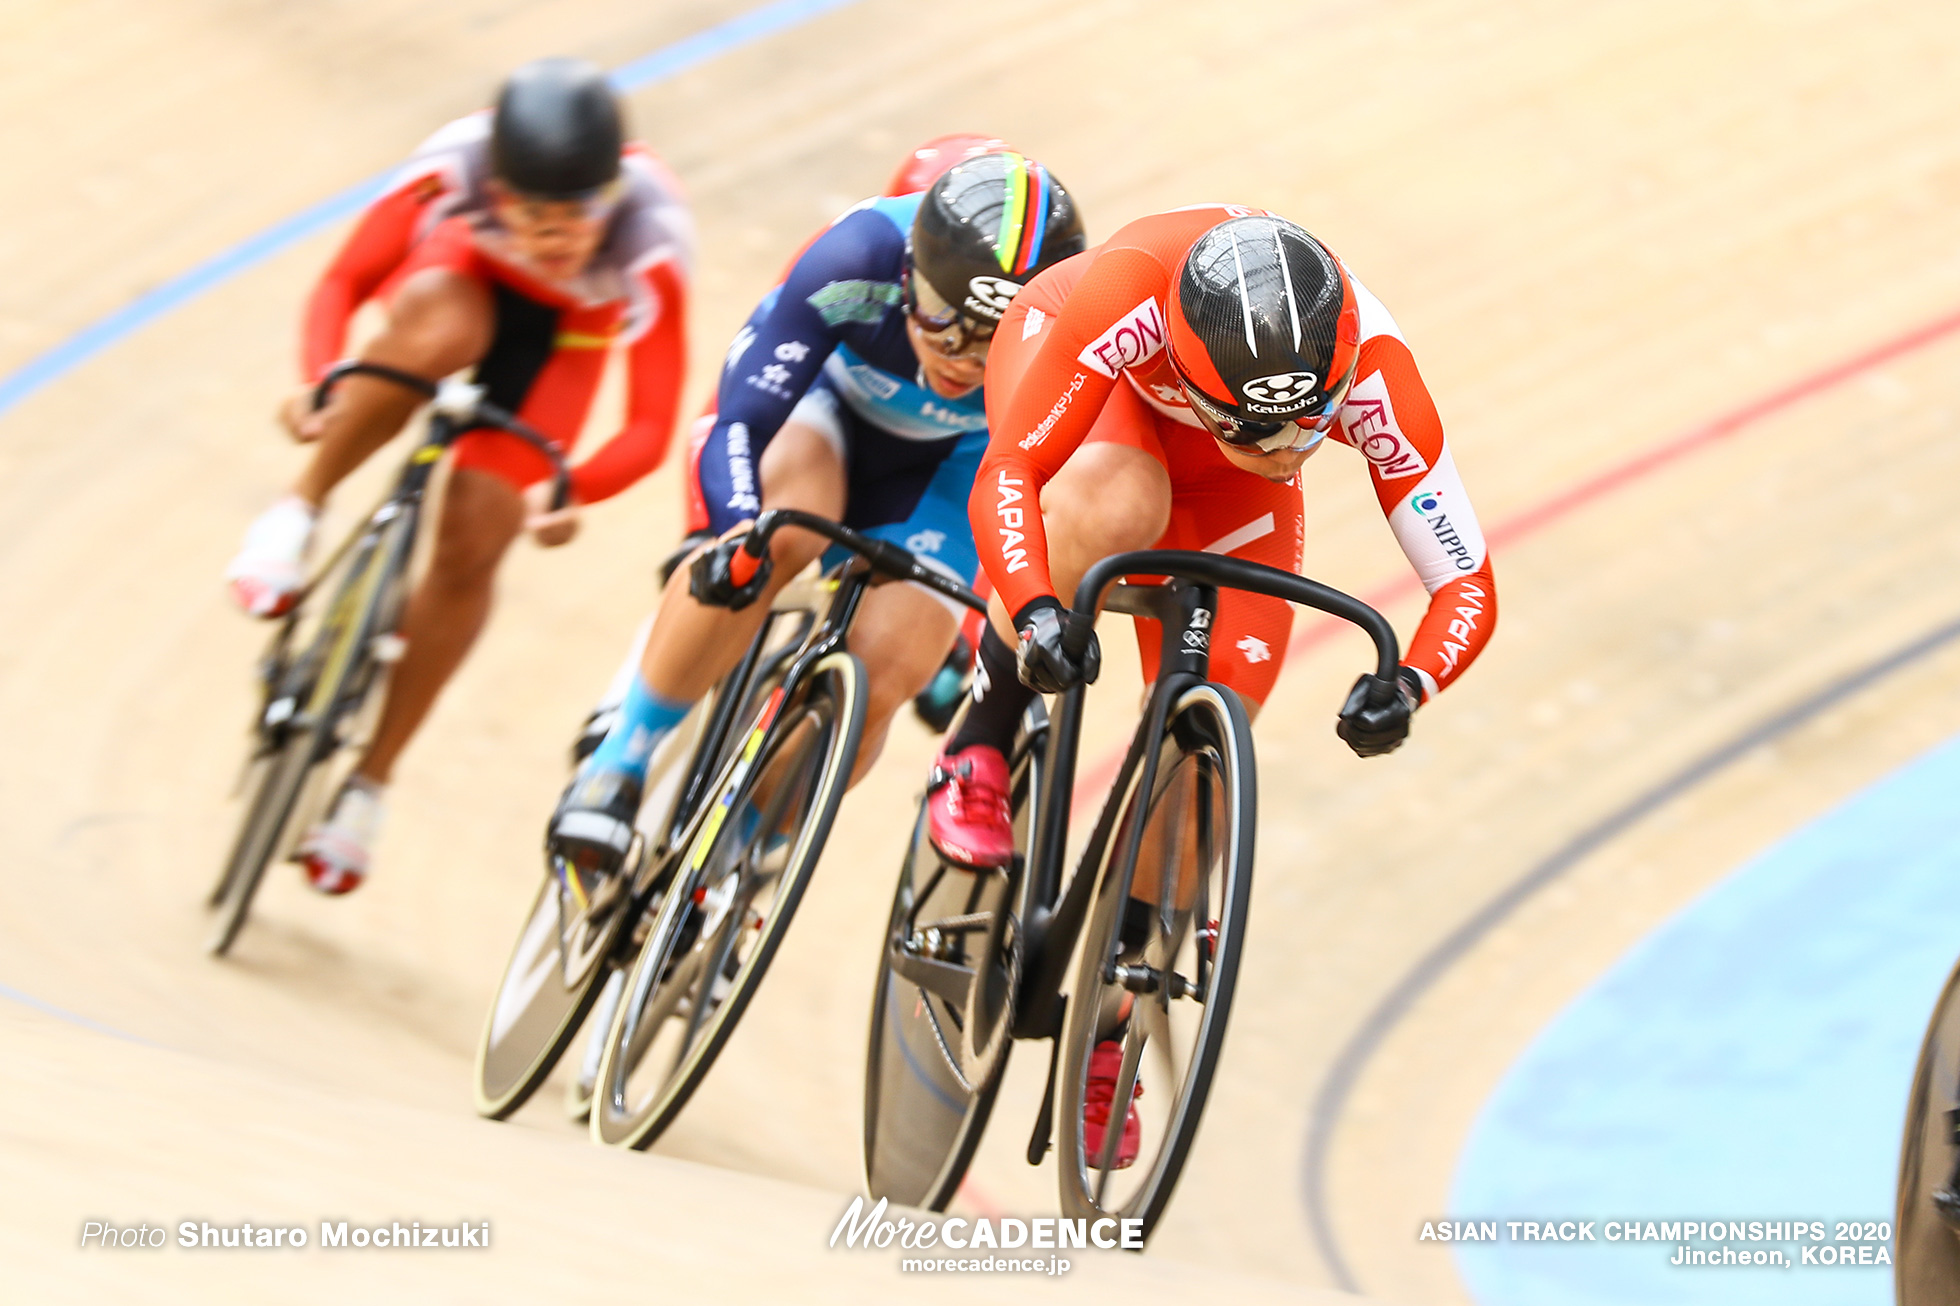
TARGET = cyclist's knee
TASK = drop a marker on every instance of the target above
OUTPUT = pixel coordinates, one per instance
(902, 636)
(1107, 498)
(439, 322)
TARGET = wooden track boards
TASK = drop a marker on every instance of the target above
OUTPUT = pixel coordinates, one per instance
(1598, 226)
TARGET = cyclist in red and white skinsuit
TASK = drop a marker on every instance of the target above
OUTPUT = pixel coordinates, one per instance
(524, 242)
(1163, 390)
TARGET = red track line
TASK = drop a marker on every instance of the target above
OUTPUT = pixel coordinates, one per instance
(1598, 486)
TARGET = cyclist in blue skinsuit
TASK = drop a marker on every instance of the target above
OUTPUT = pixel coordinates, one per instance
(854, 392)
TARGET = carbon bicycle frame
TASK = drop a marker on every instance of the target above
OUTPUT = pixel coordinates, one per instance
(1186, 608)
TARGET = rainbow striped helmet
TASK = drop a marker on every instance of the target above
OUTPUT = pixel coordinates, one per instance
(985, 228)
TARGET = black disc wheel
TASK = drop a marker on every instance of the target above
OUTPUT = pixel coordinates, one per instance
(1158, 961)
(734, 891)
(942, 1010)
(1927, 1272)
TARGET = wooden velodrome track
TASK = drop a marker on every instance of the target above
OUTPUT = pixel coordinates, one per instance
(1600, 227)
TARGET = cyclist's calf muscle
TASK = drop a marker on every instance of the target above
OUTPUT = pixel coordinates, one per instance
(902, 633)
(481, 515)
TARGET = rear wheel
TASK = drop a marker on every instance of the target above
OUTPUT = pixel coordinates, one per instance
(942, 1011)
(1928, 1212)
(1159, 959)
(735, 890)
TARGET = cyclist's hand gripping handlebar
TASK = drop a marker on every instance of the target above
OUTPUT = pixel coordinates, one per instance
(1375, 718)
(1058, 648)
(733, 573)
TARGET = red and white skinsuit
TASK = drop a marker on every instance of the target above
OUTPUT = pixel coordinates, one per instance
(1081, 357)
(547, 360)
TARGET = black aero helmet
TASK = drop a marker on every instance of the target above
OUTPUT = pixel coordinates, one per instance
(556, 132)
(1264, 329)
(984, 228)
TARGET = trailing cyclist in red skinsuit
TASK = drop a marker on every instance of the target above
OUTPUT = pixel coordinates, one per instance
(1163, 390)
(522, 242)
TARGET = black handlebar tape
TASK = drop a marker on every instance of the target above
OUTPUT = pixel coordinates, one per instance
(1076, 630)
(891, 559)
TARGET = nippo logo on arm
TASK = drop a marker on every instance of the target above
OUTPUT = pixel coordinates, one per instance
(1369, 420)
(1138, 335)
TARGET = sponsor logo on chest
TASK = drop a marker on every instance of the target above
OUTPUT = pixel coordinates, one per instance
(1136, 337)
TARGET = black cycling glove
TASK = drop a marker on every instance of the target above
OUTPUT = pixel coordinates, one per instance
(1043, 661)
(709, 581)
(1373, 730)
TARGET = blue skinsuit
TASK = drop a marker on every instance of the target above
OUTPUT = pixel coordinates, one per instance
(830, 345)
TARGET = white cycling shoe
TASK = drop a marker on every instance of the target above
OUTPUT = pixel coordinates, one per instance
(270, 569)
(335, 853)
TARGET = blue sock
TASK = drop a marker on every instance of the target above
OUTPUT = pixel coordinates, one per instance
(645, 718)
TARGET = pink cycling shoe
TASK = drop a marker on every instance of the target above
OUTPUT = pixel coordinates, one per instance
(967, 815)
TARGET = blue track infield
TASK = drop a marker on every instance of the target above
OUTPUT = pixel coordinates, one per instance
(1748, 1060)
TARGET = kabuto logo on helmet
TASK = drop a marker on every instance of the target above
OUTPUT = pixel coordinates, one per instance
(1281, 390)
(990, 296)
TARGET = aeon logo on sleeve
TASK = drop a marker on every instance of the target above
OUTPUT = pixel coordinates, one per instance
(1369, 420)
(1137, 335)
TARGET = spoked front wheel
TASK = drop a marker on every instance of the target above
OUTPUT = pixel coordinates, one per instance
(942, 1011)
(734, 893)
(265, 828)
(1159, 959)
(1928, 1212)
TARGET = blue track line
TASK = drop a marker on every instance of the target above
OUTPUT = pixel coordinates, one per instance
(33, 1003)
(648, 70)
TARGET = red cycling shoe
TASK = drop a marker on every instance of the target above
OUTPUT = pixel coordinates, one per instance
(967, 815)
(1105, 1063)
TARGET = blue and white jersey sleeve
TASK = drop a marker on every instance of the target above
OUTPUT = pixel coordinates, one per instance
(846, 277)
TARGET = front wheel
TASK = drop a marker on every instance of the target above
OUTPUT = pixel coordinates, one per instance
(735, 889)
(1159, 959)
(568, 951)
(1928, 1211)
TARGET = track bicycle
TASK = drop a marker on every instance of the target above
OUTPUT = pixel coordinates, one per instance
(1927, 1213)
(1145, 936)
(727, 840)
(323, 673)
